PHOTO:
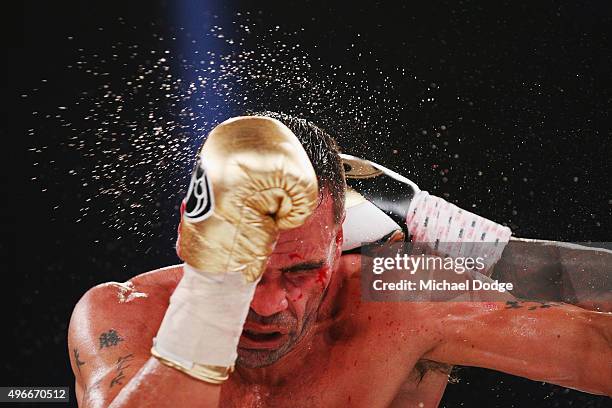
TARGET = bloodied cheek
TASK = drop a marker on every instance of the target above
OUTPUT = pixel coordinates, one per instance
(323, 277)
(313, 282)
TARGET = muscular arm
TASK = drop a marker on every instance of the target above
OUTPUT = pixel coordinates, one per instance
(556, 343)
(558, 271)
(109, 340)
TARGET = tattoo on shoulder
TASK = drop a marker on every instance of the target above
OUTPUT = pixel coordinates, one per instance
(77, 360)
(110, 338)
(122, 364)
(519, 304)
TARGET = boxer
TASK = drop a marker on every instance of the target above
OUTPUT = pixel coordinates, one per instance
(267, 311)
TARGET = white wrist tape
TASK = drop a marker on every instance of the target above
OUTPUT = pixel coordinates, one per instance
(455, 232)
(204, 320)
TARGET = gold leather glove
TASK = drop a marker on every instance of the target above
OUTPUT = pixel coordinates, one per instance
(253, 179)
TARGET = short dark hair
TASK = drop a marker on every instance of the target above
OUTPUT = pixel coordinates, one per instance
(323, 153)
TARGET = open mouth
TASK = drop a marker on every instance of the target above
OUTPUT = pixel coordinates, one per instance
(256, 339)
(258, 336)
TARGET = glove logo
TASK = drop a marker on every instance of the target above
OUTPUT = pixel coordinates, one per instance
(199, 201)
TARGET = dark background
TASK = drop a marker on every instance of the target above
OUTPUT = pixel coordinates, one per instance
(516, 128)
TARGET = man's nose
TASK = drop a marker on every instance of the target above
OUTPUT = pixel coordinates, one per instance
(270, 297)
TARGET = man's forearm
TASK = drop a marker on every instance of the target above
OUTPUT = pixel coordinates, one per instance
(157, 385)
(599, 355)
(558, 271)
(552, 342)
(586, 274)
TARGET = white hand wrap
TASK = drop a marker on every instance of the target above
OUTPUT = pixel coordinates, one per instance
(203, 323)
(455, 232)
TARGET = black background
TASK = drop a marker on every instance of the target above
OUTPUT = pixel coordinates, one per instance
(518, 131)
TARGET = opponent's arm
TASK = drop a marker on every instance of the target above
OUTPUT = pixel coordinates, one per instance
(552, 342)
(548, 270)
(539, 270)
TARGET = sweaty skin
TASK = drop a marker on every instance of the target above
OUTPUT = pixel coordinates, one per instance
(310, 341)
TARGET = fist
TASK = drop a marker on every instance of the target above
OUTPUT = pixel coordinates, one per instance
(252, 180)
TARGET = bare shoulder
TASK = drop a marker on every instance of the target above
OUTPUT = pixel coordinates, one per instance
(135, 302)
(112, 328)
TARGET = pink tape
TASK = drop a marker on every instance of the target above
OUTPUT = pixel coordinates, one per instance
(455, 232)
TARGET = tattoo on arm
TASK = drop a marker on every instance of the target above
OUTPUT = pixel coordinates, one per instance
(122, 363)
(90, 395)
(109, 339)
(519, 304)
(77, 361)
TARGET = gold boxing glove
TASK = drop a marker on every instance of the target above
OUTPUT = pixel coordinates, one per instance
(252, 180)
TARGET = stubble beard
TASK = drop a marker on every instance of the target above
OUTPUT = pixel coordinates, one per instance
(251, 358)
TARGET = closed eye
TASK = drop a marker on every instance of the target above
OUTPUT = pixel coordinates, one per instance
(303, 267)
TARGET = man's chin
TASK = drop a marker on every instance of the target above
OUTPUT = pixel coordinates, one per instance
(257, 356)
(262, 349)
